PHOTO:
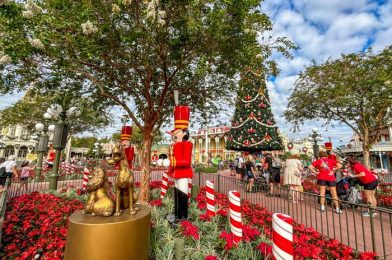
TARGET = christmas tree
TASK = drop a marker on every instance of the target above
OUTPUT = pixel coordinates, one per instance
(253, 126)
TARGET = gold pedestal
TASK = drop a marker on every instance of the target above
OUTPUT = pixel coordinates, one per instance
(122, 237)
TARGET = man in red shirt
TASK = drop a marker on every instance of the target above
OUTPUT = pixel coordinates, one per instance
(367, 180)
(325, 169)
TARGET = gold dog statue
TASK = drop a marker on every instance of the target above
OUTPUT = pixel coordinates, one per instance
(98, 202)
(126, 196)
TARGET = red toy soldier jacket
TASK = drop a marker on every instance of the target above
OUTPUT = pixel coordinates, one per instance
(129, 153)
(180, 160)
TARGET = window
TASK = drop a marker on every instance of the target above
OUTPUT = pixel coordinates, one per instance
(9, 150)
(12, 131)
(22, 152)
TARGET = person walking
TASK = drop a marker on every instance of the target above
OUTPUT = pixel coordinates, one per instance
(273, 168)
(250, 172)
(292, 176)
(3, 176)
(241, 170)
(325, 169)
(367, 180)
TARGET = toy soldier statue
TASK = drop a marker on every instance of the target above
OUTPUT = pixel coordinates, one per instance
(126, 134)
(328, 148)
(180, 162)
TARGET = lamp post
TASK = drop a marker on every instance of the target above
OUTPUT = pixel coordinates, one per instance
(2, 146)
(43, 139)
(98, 145)
(59, 138)
(315, 136)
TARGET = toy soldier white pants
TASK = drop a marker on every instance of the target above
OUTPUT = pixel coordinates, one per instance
(181, 184)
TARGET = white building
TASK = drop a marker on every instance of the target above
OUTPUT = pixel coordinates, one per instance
(16, 140)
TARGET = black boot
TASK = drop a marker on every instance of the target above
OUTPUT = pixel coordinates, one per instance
(183, 205)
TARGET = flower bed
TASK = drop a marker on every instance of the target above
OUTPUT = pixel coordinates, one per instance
(37, 224)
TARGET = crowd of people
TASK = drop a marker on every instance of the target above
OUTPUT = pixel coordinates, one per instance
(291, 172)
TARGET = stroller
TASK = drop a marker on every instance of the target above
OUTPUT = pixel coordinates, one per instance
(346, 191)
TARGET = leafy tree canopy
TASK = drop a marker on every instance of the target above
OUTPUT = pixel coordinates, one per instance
(30, 110)
(355, 89)
(135, 53)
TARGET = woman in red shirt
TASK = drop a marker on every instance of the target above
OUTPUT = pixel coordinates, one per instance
(366, 179)
(325, 169)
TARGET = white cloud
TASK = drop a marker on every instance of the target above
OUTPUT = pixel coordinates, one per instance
(323, 29)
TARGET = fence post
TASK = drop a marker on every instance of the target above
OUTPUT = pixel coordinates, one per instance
(199, 179)
(371, 211)
(218, 182)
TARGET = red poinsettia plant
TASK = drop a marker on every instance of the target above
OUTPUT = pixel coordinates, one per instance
(36, 224)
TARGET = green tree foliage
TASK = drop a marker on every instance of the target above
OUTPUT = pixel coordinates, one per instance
(253, 126)
(135, 53)
(30, 110)
(355, 89)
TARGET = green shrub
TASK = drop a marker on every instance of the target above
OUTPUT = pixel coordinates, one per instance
(211, 169)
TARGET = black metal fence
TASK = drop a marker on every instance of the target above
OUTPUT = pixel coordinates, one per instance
(351, 227)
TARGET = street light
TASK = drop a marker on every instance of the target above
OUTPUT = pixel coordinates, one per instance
(59, 137)
(315, 137)
(42, 145)
(124, 119)
(98, 145)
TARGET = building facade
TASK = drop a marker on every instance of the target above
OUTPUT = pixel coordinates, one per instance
(16, 140)
(380, 153)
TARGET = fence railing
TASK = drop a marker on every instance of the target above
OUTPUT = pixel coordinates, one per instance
(65, 181)
(351, 227)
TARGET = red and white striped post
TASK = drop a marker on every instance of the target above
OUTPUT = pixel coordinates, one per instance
(235, 215)
(189, 189)
(282, 237)
(164, 185)
(210, 198)
(73, 168)
(86, 173)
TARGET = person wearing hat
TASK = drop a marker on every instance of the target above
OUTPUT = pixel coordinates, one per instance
(328, 148)
(126, 134)
(180, 157)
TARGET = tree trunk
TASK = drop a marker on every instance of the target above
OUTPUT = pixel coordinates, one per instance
(145, 166)
(366, 149)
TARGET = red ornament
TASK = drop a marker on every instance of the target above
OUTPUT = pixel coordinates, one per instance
(269, 122)
(251, 115)
(262, 105)
(247, 98)
(246, 143)
(267, 137)
(290, 146)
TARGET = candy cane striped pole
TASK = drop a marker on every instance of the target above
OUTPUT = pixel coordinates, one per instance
(282, 237)
(164, 185)
(210, 195)
(235, 215)
(189, 188)
(86, 172)
(73, 168)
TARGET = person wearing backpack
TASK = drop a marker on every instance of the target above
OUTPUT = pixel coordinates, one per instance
(274, 173)
(7, 169)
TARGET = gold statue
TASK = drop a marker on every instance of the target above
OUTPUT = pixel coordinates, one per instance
(98, 202)
(126, 196)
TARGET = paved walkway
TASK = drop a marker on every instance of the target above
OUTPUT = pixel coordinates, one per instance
(350, 227)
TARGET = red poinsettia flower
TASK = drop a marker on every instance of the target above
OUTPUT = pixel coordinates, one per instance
(156, 203)
(211, 257)
(189, 230)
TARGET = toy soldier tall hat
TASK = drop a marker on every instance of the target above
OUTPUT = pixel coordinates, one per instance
(182, 115)
(126, 132)
(328, 146)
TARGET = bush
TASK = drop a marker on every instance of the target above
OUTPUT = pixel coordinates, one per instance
(211, 169)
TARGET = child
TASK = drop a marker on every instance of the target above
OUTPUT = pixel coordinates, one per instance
(24, 176)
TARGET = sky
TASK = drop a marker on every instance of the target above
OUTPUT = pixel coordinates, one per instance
(321, 29)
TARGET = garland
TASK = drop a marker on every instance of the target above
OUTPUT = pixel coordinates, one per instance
(254, 143)
(260, 123)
